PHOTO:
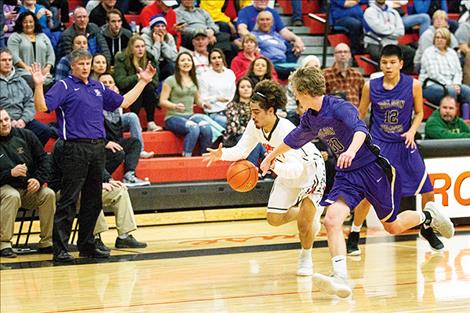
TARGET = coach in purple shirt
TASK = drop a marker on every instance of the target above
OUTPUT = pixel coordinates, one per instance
(79, 103)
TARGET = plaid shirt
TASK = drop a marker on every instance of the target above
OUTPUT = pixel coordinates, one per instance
(351, 84)
(444, 68)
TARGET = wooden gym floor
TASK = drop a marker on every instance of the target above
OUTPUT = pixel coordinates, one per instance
(244, 266)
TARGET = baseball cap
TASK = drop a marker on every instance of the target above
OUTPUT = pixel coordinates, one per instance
(170, 3)
(200, 32)
(157, 19)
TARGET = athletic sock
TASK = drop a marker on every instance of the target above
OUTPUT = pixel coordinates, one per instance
(425, 218)
(123, 236)
(304, 253)
(339, 266)
(355, 228)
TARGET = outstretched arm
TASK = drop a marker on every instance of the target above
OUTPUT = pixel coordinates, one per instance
(269, 160)
(39, 78)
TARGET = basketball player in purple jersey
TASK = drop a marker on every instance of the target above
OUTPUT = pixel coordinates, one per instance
(394, 97)
(361, 172)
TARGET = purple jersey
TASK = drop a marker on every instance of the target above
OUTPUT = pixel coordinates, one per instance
(391, 109)
(79, 107)
(335, 124)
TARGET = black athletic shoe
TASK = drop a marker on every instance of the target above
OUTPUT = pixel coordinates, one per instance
(353, 243)
(428, 234)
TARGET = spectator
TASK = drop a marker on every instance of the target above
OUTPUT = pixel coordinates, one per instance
(11, 14)
(81, 25)
(117, 38)
(217, 87)
(81, 126)
(43, 15)
(28, 45)
(439, 19)
(60, 12)
(130, 120)
(273, 46)
(22, 178)
(164, 7)
(380, 19)
(215, 10)
(410, 20)
(179, 95)
(161, 45)
(341, 79)
(463, 37)
(99, 15)
(238, 115)
(247, 20)
(348, 15)
(16, 98)
(201, 52)
(445, 124)
(126, 74)
(99, 66)
(114, 196)
(442, 64)
(431, 6)
(260, 69)
(62, 69)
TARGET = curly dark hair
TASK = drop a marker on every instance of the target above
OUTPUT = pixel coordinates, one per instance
(269, 94)
(19, 23)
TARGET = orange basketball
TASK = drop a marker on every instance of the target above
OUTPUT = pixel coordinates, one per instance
(242, 176)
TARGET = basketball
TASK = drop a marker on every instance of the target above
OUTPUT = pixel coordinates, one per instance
(242, 176)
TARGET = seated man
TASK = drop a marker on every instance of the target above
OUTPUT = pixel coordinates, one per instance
(24, 167)
(445, 124)
(114, 197)
(16, 97)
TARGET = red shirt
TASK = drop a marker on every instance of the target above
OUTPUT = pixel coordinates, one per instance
(241, 64)
(152, 10)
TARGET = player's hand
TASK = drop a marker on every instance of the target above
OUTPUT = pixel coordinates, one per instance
(113, 146)
(19, 170)
(267, 164)
(345, 159)
(409, 139)
(213, 155)
(33, 185)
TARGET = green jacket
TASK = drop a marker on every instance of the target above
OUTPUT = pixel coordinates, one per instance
(125, 73)
(437, 128)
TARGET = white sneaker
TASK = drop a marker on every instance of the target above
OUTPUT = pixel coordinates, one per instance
(147, 155)
(130, 180)
(332, 285)
(305, 266)
(440, 222)
(152, 127)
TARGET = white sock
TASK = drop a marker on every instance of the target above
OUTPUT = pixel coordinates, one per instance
(422, 218)
(123, 236)
(355, 228)
(306, 253)
(339, 266)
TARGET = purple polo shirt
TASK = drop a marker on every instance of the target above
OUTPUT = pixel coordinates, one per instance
(335, 124)
(248, 15)
(79, 107)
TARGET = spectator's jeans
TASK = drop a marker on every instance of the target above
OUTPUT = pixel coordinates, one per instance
(130, 122)
(129, 155)
(355, 32)
(296, 10)
(434, 93)
(2, 23)
(194, 128)
(219, 117)
(256, 154)
(421, 19)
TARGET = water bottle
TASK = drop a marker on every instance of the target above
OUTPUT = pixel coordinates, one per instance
(133, 27)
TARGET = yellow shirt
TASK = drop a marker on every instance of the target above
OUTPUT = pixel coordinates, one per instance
(214, 8)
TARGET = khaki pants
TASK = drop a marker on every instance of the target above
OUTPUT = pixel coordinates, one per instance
(12, 199)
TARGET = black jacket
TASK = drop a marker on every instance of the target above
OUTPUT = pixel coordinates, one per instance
(22, 146)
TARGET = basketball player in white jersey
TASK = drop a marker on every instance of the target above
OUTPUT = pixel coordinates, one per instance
(300, 173)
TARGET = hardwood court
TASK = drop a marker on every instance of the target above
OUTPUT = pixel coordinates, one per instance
(241, 267)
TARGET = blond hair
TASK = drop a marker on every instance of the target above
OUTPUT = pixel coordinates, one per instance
(444, 32)
(309, 81)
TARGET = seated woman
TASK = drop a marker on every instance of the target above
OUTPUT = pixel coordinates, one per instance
(241, 63)
(128, 64)
(238, 115)
(260, 69)
(273, 46)
(442, 64)
(99, 66)
(179, 95)
(62, 69)
(161, 45)
(217, 87)
(29, 45)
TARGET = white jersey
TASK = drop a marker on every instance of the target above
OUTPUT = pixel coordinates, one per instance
(296, 168)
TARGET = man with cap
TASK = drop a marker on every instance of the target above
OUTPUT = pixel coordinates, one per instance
(161, 45)
(164, 7)
(200, 54)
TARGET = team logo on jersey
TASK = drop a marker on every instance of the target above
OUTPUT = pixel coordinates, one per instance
(98, 93)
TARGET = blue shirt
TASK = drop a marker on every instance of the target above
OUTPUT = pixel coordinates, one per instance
(335, 124)
(272, 46)
(248, 15)
(79, 107)
(391, 109)
(339, 11)
(37, 8)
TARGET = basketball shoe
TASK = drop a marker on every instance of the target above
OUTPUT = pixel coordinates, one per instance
(352, 244)
(440, 222)
(430, 236)
(332, 285)
(304, 265)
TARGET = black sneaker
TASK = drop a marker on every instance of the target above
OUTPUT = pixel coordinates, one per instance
(428, 234)
(7, 253)
(129, 242)
(353, 243)
(100, 245)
